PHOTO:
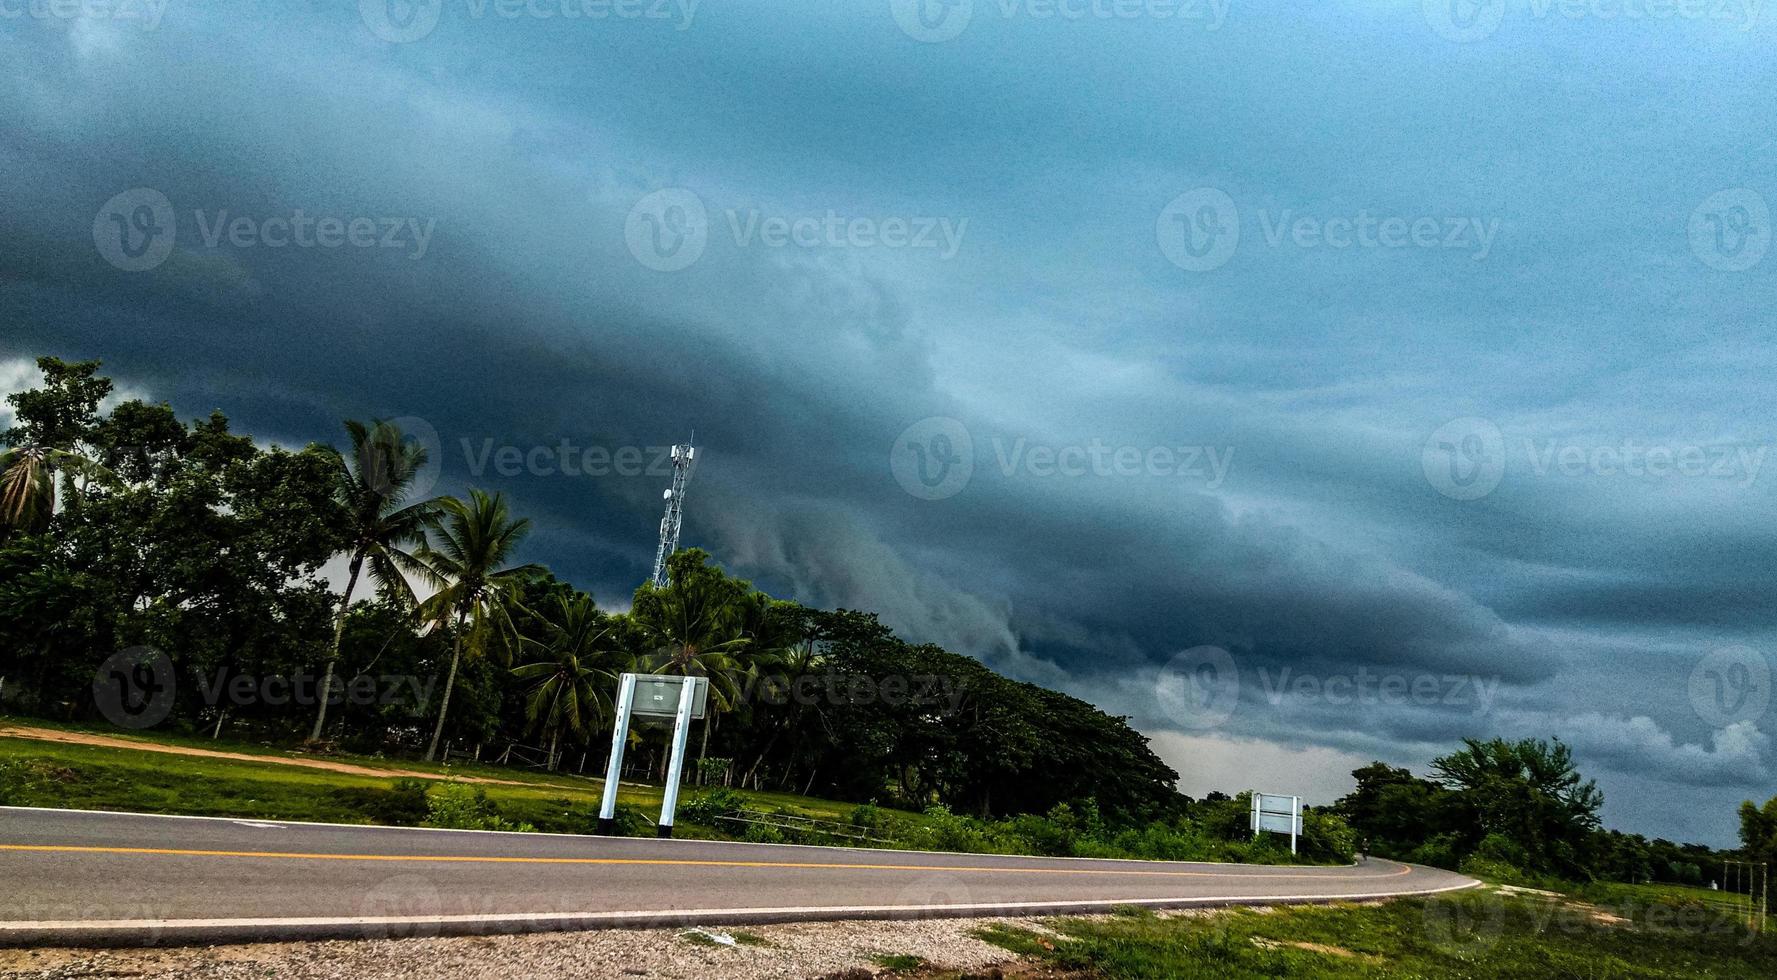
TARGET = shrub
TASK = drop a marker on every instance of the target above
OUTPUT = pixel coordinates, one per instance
(1054, 834)
(1500, 849)
(1327, 837)
(943, 830)
(1442, 851)
(708, 808)
(711, 770)
(455, 806)
(404, 805)
(762, 833)
(866, 816)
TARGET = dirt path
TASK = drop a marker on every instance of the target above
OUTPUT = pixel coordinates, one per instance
(108, 742)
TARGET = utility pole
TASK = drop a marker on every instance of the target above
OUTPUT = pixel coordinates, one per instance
(675, 511)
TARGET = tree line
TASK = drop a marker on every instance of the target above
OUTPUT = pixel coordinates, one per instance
(130, 529)
(1520, 810)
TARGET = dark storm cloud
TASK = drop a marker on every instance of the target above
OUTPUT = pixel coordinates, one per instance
(1316, 376)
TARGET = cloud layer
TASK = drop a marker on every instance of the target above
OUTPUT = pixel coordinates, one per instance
(1413, 420)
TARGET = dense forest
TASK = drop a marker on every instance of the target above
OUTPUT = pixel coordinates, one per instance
(158, 572)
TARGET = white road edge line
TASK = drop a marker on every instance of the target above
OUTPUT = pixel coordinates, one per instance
(157, 924)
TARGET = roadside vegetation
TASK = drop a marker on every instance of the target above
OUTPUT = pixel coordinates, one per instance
(1633, 932)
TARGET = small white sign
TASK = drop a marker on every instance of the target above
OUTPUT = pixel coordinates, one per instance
(1278, 815)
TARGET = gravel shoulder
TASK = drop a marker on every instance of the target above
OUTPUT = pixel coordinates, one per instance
(780, 951)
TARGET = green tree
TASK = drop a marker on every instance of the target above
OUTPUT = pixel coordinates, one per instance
(1758, 830)
(580, 663)
(1394, 811)
(1528, 794)
(44, 446)
(465, 559)
(693, 626)
(380, 524)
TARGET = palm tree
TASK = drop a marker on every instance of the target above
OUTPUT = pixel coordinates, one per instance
(569, 693)
(476, 594)
(701, 624)
(693, 626)
(28, 484)
(372, 490)
(792, 650)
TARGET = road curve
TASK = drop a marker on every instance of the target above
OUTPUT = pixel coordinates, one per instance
(75, 878)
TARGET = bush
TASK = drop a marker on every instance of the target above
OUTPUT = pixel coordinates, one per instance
(404, 805)
(712, 770)
(763, 833)
(1442, 851)
(1327, 837)
(1500, 849)
(866, 816)
(1054, 835)
(946, 831)
(455, 806)
(708, 808)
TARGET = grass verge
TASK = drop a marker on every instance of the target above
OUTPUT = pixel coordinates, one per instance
(1628, 931)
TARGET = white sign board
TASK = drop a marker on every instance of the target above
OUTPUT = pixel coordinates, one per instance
(1277, 814)
(657, 695)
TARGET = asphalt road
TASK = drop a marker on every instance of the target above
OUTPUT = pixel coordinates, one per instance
(77, 878)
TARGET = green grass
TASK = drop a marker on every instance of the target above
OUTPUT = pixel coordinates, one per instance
(898, 962)
(50, 774)
(1478, 933)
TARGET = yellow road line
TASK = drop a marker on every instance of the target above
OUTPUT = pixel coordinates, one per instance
(477, 859)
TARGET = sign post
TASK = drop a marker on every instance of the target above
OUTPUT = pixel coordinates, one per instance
(682, 699)
(1278, 814)
(626, 692)
(675, 769)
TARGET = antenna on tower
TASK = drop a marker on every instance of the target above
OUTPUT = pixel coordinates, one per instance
(675, 510)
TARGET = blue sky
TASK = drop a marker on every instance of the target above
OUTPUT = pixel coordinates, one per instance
(1407, 362)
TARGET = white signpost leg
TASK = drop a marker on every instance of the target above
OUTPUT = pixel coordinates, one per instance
(1295, 821)
(626, 691)
(681, 734)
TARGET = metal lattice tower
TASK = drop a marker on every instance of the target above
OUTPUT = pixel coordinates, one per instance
(675, 511)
